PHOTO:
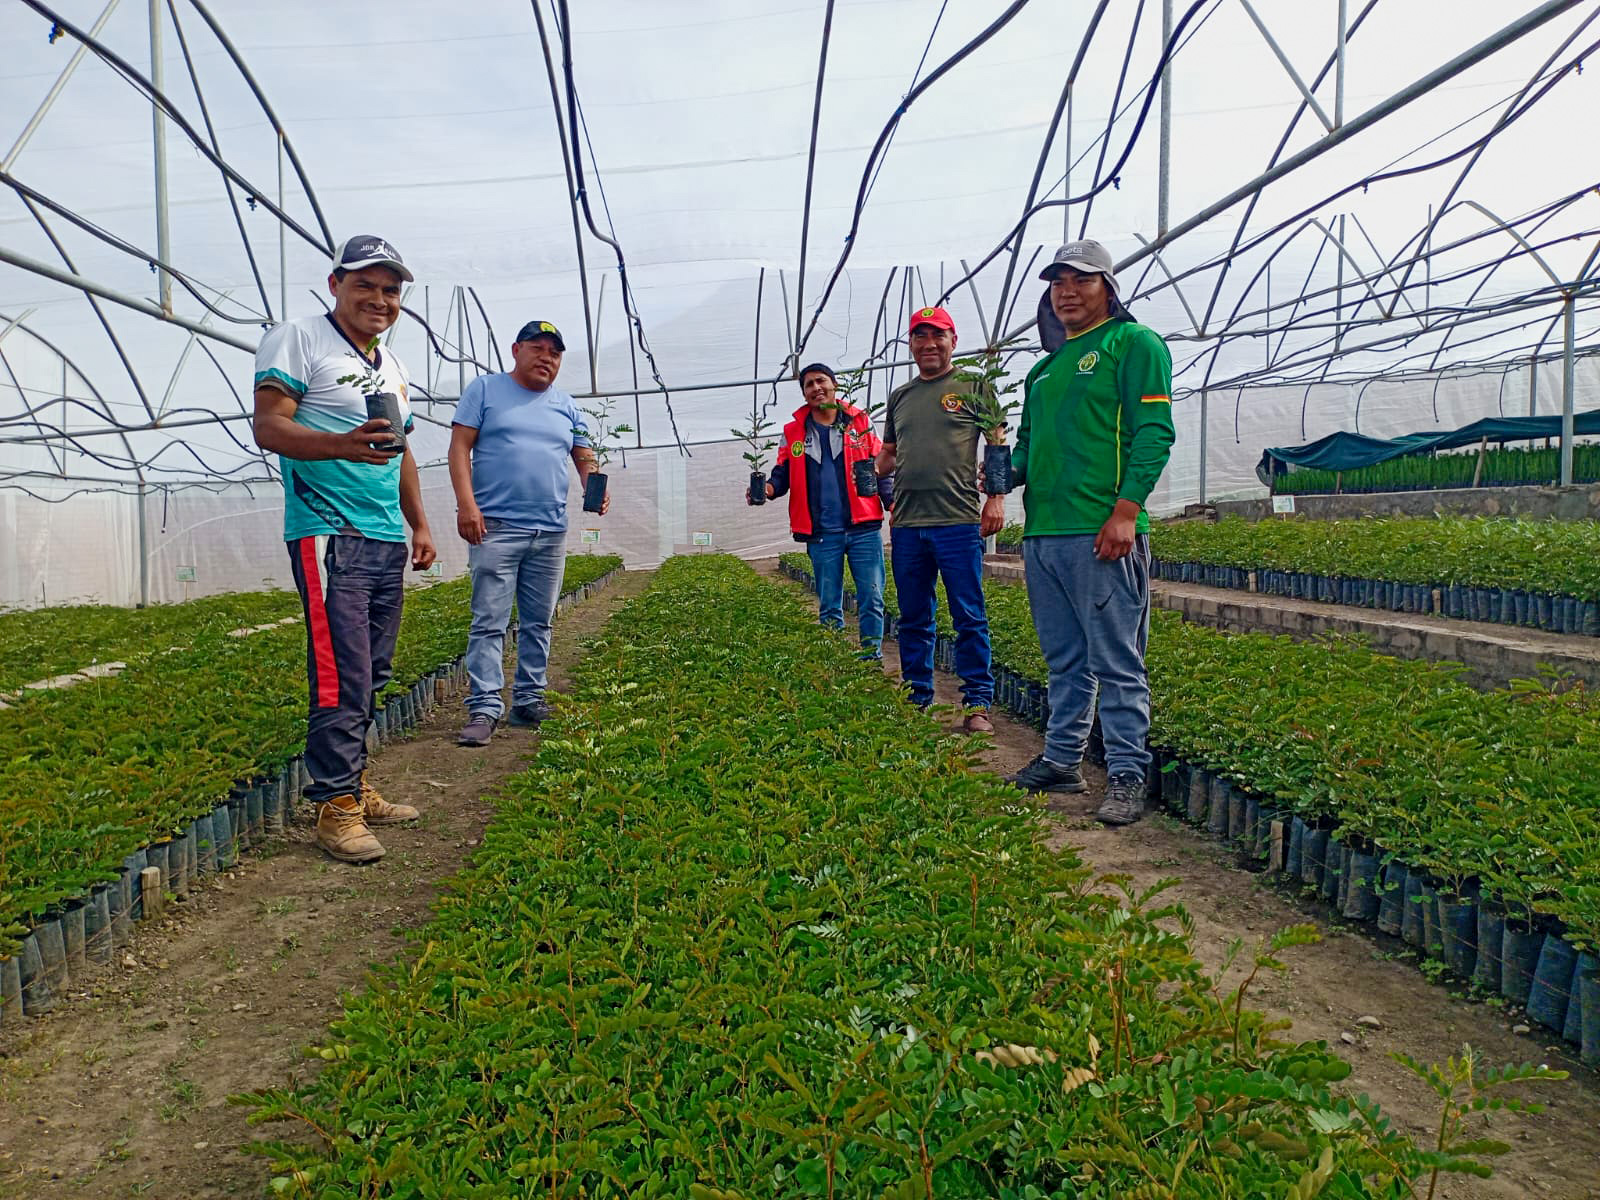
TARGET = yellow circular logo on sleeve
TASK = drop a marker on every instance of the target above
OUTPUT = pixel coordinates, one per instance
(797, 448)
(951, 402)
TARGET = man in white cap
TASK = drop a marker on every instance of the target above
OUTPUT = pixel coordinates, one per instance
(348, 479)
(1095, 435)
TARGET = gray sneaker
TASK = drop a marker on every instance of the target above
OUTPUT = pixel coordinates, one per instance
(529, 714)
(1042, 775)
(1124, 803)
(477, 731)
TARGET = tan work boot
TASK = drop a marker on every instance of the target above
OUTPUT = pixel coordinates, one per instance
(342, 831)
(379, 811)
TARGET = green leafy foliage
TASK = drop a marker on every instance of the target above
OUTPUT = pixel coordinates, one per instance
(96, 771)
(1516, 466)
(1501, 788)
(600, 431)
(988, 384)
(42, 643)
(1561, 558)
(759, 442)
(750, 928)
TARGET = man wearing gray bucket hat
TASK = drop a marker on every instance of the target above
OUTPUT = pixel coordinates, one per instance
(1095, 435)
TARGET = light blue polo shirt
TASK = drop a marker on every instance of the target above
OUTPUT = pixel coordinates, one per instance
(306, 358)
(522, 460)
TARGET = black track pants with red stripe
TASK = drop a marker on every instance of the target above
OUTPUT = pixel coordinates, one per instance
(351, 588)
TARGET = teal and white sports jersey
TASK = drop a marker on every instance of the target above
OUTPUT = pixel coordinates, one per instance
(305, 358)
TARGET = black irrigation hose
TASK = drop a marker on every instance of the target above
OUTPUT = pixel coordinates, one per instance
(1150, 89)
(227, 186)
(119, 243)
(564, 29)
(939, 72)
(159, 98)
(811, 169)
(94, 304)
(1116, 97)
(261, 98)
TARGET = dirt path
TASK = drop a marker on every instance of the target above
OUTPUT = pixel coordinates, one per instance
(1352, 974)
(124, 1091)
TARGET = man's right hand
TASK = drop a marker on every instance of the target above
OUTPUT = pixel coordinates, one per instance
(359, 443)
(469, 524)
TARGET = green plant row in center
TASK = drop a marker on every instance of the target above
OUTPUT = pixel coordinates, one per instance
(750, 928)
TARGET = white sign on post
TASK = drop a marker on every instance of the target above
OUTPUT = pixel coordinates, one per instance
(589, 537)
(186, 575)
(702, 539)
(1283, 504)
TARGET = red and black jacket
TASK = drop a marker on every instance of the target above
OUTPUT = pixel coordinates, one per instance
(860, 444)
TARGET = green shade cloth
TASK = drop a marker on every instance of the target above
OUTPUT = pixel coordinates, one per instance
(1346, 451)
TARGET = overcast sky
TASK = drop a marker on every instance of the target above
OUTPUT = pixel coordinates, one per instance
(433, 125)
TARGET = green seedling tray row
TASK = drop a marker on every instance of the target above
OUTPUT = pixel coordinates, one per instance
(752, 927)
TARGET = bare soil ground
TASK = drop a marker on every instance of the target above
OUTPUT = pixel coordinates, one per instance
(123, 1090)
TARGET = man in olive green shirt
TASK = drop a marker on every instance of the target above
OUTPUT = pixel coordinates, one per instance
(937, 527)
(1095, 435)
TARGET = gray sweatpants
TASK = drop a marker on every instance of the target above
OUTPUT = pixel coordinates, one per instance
(1093, 622)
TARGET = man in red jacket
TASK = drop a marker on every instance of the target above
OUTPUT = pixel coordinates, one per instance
(820, 466)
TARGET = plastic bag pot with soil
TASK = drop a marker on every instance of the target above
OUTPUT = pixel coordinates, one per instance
(1236, 809)
(1312, 853)
(97, 938)
(1333, 870)
(1458, 934)
(1491, 937)
(1216, 806)
(1588, 989)
(866, 478)
(1295, 856)
(222, 829)
(10, 990)
(1392, 898)
(997, 479)
(1432, 927)
(594, 491)
(1197, 796)
(37, 994)
(1520, 943)
(72, 935)
(1552, 983)
(1361, 900)
(1572, 1031)
(1413, 922)
(1174, 786)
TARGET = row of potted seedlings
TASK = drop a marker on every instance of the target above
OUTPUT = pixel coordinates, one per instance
(1501, 606)
(730, 938)
(85, 930)
(1505, 948)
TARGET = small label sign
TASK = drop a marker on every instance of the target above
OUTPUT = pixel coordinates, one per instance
(702, 539)
(1283, 504)
(186, 575)
(590, 537)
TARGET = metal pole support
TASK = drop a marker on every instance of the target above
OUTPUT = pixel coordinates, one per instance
(1569, 320)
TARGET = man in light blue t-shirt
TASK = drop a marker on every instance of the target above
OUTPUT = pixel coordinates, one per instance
(510, 443)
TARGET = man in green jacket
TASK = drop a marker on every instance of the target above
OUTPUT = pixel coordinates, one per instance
(1095, 435)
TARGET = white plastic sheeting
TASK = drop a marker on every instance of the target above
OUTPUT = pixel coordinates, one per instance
(435, 127)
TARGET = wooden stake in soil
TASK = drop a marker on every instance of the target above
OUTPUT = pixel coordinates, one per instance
(154, 898)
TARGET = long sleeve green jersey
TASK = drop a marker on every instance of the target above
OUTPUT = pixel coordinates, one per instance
(1096, 428)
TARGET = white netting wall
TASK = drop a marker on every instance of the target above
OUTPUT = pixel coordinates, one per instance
(86, 547)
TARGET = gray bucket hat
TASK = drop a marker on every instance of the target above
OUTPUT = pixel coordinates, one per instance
(1088, 256)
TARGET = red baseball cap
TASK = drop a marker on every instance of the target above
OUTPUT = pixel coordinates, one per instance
(937, 317)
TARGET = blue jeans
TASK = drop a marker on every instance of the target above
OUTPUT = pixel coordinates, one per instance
(920, 555)
(1093, 622)
(507, 564)
(864, 549)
